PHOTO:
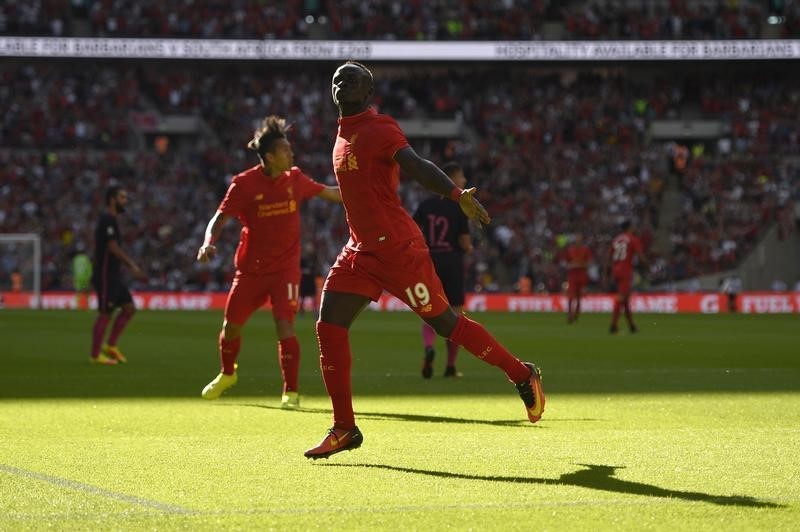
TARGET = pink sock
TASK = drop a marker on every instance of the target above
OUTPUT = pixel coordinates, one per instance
(335, 361)
(289, 359)
(119, 325)
(98, 332)
(452, 353)
(477, 340)
(228, 353)
(428, 335)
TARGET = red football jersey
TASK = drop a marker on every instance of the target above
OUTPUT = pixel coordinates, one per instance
(368, 175)
(623, 248)
(268, 211)
(577, 254)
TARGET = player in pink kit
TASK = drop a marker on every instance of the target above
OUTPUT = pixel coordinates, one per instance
(387, 251)
(623, 248)
(266, 200)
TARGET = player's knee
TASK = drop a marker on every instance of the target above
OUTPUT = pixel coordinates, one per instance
(231, 331)
(444, 323)
(284, 328)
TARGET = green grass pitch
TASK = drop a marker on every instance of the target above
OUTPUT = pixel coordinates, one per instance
(692, 424)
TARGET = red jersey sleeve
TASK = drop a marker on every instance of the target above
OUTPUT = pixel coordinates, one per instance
(304, 186)
(391, 138)
(234, 201)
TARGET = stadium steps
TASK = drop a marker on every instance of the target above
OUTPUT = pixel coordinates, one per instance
(669, 212)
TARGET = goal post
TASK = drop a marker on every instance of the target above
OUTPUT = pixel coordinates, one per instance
(21, 265)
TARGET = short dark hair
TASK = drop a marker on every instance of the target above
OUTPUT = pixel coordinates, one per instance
(111, 193)
(272, 128)
(625, 225)
(450, 168)
(362, 66)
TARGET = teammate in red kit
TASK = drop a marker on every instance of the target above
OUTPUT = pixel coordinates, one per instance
(577, 256)
(623, 248)
(386, 251)
(266, 200)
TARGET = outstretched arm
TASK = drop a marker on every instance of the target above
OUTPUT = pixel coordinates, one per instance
(431, 177)
(331, 194)
(213, 230)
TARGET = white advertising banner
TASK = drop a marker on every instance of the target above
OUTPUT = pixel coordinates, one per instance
(310, 50)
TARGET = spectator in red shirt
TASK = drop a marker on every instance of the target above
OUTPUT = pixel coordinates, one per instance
(266, 200)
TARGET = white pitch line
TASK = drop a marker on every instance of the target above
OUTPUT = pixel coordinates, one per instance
(94, 490)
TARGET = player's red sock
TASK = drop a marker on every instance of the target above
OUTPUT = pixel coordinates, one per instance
(615, 315)
(98, 333)
(478, 341)
(428, 335)
(289, 358)
(228, 353)
(120, 322)
(452, 353)
(335, 361)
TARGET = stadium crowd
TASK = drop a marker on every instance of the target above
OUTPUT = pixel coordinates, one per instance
(552, 153)
(399, 20)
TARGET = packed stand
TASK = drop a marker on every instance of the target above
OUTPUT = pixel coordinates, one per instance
(551, 153)
(398, 20)
(676, 20)
(748, 181)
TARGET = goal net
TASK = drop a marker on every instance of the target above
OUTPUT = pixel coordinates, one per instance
(20, 269)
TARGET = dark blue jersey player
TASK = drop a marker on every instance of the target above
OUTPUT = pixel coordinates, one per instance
(112, 292)
(446, 231)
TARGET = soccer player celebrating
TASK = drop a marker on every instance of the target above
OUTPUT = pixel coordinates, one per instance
(112, 292)
(577, 256)
(623, 248)
(265, 199)
(386, 251)
(446, 230)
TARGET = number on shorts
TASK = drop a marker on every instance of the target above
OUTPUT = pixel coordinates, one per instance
(423, 297)
(294, 291)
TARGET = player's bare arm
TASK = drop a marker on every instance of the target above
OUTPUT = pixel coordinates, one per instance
(331, 194)
(213, 230)
(115, 250)
(431, 177)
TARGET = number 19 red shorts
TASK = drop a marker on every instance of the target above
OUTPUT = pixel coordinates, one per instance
(405, 270)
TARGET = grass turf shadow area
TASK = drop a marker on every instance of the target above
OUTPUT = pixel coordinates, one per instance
(591, 476)
(174, 354)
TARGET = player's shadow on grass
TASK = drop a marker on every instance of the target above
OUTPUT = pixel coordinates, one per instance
(597, 477)
(416, 418)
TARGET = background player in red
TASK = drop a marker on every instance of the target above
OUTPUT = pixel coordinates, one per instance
(446, 230)
(112, 291)
(266, 200)
(386, 251)
(624, 248)
(577, 257)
